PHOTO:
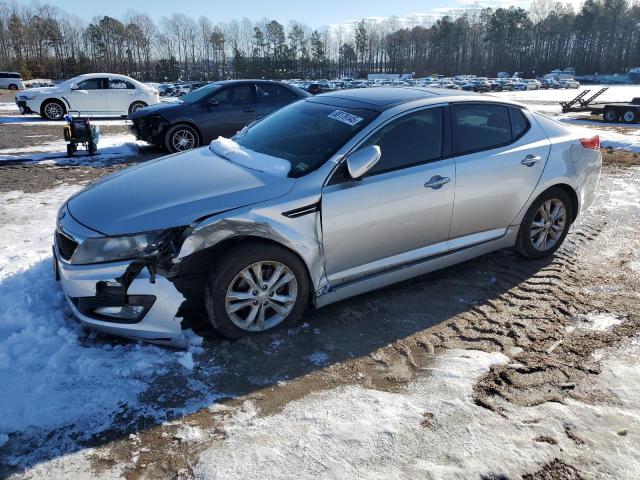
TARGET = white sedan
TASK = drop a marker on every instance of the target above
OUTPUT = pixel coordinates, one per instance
(95, 94)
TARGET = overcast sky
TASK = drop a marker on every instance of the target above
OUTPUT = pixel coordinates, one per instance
(314, 14)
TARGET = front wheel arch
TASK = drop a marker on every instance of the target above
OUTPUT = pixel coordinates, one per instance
(179, 124)
(49, 100)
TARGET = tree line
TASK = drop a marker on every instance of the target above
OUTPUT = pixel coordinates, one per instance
(42, 41)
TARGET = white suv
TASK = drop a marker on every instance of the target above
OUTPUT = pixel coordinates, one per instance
(11, 80)
(97, 94)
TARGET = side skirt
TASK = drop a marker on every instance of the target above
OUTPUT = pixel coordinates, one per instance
(415, 269)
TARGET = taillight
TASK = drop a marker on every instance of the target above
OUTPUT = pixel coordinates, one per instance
(592, 142)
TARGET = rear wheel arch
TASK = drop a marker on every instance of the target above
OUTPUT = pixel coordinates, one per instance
(573, 195)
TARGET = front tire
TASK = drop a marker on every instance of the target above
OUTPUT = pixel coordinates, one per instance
(53, 110)
(255, 288)
(610, 116)
(180, 138)
(545, 225)
(13, 87)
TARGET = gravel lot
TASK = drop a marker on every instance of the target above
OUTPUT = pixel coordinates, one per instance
(494, 368)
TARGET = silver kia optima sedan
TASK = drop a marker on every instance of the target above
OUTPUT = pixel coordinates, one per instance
(327, 198)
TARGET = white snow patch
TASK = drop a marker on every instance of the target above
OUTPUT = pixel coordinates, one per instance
(598, 321)
(318, 358)
(109, 146)
(230, 150)
(434, 430)
(9, 107)
(190, 434)
(186, 360)
(53, 373)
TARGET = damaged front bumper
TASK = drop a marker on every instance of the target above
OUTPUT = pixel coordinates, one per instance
(90, 288)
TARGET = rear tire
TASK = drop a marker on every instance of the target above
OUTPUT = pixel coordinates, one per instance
(135, 106)
(545, 225)
(254, 288)
(630, 116)
(181, 138)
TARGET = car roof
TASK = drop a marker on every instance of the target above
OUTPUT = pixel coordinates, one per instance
(384, 98)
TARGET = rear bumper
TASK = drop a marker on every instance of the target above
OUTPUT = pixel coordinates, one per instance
(159, 323)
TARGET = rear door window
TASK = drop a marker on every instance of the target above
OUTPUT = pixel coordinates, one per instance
(271, 93)
(413, 139)
(480, 127)
(117, 84)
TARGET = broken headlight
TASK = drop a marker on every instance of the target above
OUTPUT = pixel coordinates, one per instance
(140, 245)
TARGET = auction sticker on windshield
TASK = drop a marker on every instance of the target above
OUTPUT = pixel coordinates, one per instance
(345, 117)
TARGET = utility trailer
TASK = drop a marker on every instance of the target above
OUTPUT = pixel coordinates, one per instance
(628, 112)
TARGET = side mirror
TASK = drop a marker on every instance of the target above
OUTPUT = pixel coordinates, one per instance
(212, 102)
(75, 87)
(363, 160)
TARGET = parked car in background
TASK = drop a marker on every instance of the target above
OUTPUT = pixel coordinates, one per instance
(11, 80)
(495, 85)
(506, 84)
(93, 94)
(217, 109)
(569, 83)
(181, 89)
(325, 199)
(527, 85)
(315, 88)
(477, 86)
(549, 83)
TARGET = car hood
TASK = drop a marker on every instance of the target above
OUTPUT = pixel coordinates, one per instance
(172, 191)
(156, 109)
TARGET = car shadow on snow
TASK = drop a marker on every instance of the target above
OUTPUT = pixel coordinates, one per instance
(144, 385)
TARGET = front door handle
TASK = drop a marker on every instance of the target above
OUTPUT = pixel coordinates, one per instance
(249, 109)
(437, 182)
(531, 160)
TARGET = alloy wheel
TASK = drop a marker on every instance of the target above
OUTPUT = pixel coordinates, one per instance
(629, 116)
(136, 106)
(183, 140)
(53, 111)
(261, 296)
(548, 224)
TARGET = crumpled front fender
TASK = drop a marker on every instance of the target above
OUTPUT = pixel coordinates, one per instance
(299, 234)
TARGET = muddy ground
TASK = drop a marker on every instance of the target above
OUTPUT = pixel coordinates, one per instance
(529, 310)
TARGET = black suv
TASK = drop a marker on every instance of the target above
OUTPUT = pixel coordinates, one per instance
(217, 109)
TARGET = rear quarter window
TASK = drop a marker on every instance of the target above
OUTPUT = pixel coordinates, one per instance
(519, 123)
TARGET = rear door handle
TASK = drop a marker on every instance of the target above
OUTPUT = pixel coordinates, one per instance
(437, 182)
(249, 109)
(531, 160)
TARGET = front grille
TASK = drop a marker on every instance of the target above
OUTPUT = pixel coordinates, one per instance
(66, 246)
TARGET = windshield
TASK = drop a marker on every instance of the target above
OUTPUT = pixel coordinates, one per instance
(200, 93)
(305, 133)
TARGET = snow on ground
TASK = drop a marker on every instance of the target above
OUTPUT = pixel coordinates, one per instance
(109, 146)
(400, 435)
(9, 107)
(53, 373)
